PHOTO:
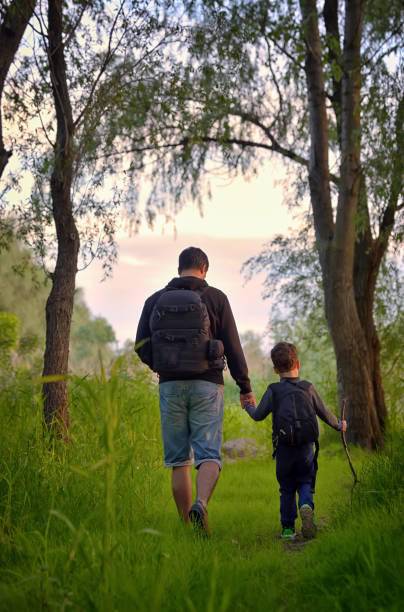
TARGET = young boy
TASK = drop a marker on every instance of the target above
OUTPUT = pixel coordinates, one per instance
(296, 462)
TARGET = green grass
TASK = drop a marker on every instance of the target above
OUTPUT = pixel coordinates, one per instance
(94, 527)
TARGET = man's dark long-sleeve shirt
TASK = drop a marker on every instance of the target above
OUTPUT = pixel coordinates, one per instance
(222, 325)
(265, 406)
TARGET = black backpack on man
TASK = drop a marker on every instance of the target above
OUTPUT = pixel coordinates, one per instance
(181, 335)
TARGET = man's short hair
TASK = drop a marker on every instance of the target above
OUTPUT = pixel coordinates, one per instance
(284, 356)
(192, 258)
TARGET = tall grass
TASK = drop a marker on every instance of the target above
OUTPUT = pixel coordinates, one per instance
(359, 566)
(92, 526)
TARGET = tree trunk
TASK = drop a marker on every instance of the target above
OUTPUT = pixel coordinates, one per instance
(369, 253)
(368, 257)
(12, 28)
(354, 364)
(59, 305)
(336, 242)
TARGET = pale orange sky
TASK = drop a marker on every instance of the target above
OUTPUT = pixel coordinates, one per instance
(238, 220)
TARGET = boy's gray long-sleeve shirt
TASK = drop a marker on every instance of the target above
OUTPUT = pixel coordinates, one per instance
(264, 407)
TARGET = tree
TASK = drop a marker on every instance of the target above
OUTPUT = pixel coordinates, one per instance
(15, 16)
(278, 77)
(293, 287)
(91, 339)
(23, 292)
(258, 361)
(24, 289)
(86, 71)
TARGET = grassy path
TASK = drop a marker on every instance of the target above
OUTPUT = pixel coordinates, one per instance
(65, 544)
(157, 564)
(245, 565)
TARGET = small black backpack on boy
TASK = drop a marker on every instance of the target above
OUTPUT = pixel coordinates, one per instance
(181, 336)
(294, 420)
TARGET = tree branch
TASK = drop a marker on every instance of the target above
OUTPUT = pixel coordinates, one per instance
(15, 19)
(105, 63)
(319, 172)
(74, 28)
(330, 13)
(398, 30)
(397, 177)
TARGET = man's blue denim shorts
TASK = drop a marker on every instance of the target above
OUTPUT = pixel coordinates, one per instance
(191, 422)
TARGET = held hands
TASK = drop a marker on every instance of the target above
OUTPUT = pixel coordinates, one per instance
(247, 398)
(344, 426)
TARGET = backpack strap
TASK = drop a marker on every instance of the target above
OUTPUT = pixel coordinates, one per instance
(201, 290)
(273, 386)
(315, 464)
(305, 384)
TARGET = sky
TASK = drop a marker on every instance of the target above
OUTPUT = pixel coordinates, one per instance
(236, 222)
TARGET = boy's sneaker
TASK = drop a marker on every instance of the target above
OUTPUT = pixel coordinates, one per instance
(288, 534)
(198, 515)
(309, 527)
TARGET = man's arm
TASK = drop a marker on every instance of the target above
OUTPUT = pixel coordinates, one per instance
(264, 408)
(143, 344)
(232, 348)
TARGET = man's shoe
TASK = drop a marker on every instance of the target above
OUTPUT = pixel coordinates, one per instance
(198, 515)
(309, 527)
(288, 534)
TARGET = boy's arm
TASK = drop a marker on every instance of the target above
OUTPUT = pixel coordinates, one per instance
(260, 412)
(323, 412)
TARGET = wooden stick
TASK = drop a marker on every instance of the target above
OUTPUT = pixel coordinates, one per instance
(346, 445)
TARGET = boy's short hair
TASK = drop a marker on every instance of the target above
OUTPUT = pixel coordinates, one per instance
(284, 356)
(192, 258)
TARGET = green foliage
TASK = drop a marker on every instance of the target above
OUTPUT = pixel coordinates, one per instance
(258, 362)
(293, 288)
(115, 54)
(382, 478)
(355, 553)
(9, 331)
(24, 291)
(93, 525)
(91, 339)
(293, 281)
(235, 94)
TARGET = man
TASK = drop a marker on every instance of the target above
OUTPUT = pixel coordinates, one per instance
(185, 332)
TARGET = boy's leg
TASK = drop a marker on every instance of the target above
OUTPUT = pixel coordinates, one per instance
(305, 477)
(285, 473)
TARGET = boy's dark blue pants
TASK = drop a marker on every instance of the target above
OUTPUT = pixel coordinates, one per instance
(296, 473)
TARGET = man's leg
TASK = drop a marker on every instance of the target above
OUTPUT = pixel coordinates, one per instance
(206, 427)
(182, 490)
(206, 480)
(177, 448)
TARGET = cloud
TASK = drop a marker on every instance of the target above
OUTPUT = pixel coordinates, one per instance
(132, 261)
